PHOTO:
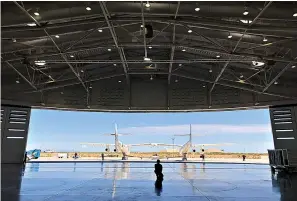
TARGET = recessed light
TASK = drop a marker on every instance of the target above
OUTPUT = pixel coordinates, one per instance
(88, 8)
(265, 39)
(17, 81)
(147, 5)
(293, 66)
(295, 15)
(183, 50)
(150, 47)
(31, 24)
(210, 70)
(40, 63)
(197, 9)
(190, 31)
(71, 56)
(36, 13)
(109, 50)
(57, 36)
(218, 56)
(100, 30)
(275, 82)
(120, 81)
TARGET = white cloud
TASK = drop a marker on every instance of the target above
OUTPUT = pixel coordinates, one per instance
(200, 129)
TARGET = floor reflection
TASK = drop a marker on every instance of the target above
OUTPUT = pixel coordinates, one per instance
(126, 181)
(285, 184)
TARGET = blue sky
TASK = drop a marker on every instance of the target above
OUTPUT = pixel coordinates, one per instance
(249, 130)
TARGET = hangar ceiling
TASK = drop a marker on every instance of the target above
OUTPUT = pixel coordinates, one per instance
(136, 56)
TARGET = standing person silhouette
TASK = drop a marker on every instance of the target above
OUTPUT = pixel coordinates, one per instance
(158, 171)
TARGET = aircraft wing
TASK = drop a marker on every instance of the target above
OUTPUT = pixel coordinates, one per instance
(96, 144)
(220, 144)
(154, 144)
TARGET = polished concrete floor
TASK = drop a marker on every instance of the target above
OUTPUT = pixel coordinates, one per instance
(136, 181)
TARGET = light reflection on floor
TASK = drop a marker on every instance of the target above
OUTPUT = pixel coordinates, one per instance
(135, 181)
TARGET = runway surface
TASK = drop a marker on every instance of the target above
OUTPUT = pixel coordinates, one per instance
(135, 181)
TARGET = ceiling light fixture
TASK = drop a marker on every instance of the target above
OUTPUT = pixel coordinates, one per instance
(293, 66)
(100, 30)
(295, 15)
(40, 63)
(275, 82)
(241, 76)
(36, 13)
(71, 56)
(147, 5)
(197, 9)
(218, 56)
(14, 40)
(183, 50)
(31, 24)
(246, 21)
(109, 50)
(146, 59)
(190, 31)
(114, 64)
(229, 36)
(203, 86)
(151, 77)
(17, 81)
(82, 70)
(62, 92)
(246, 12)
(210, 70)
(179, 64)
(90, 87)
(119, 81)
(265, 39)
(176, 80)
(241, 81)
(88, 8)
(258, 63)
(150, 47)
(141, 26)
(57, 36)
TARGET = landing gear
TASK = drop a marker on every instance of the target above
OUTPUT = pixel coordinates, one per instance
(184, 157)
(125, 157)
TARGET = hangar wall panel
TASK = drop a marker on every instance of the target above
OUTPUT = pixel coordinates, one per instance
(284, 126)
(14, 133)
(148, 94)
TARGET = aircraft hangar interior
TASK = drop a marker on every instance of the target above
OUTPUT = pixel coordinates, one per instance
(148, 56)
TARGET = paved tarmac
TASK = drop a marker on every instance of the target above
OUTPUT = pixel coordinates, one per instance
(136, 182)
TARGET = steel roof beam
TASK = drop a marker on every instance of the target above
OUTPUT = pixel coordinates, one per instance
(234, 86)
(278, 75)
(226, 64)
(120, 49)
(173, 45)
(60, 52)
(20, 74)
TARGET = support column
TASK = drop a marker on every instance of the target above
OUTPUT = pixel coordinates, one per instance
(14, 133)
(284, 126)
